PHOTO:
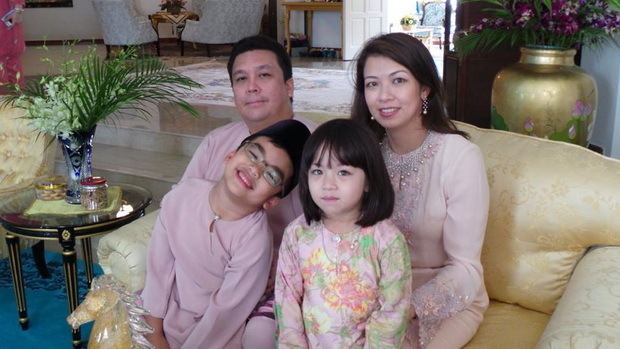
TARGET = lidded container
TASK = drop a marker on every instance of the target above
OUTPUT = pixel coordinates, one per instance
(51, 188)
(94, 193)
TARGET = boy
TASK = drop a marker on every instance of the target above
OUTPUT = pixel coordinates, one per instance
(209, 256)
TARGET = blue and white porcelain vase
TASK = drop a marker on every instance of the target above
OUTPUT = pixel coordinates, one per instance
(77, 149)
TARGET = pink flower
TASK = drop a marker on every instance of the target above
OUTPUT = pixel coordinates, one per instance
(581, 109)
(528, 125)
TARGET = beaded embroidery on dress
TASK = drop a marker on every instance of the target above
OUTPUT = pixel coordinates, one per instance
(407, 176)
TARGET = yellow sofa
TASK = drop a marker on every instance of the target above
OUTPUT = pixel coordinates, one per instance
(551, 253)
(24, 156)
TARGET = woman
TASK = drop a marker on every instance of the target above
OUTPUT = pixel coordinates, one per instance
(442, 194)
(11, 42)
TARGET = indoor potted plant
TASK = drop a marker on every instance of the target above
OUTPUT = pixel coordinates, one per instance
(91, 90)
(172, 6)
(544, 94)
(407, 22)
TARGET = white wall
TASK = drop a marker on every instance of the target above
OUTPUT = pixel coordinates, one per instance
(326, 26)
(603, 64)
(396, 10)
(62, 23)
(77, 22)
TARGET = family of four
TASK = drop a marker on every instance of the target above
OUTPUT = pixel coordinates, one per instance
(361, 233)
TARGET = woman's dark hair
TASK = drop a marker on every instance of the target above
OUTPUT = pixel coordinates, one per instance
(352, 144)
(411, 53)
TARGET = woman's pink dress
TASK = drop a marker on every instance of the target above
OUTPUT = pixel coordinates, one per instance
(11, 45)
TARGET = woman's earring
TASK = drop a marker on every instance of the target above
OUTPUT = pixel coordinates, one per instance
(372, 118)
(425, 106)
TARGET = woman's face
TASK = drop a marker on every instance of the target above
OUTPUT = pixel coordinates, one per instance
(393, 94)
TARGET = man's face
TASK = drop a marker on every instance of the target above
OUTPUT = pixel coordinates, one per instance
(261, 94)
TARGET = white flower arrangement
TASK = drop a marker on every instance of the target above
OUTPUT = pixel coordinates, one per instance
(89, 90)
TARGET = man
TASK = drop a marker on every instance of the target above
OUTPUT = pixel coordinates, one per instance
(261, 76)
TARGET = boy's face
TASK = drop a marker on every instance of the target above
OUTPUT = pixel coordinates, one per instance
(257, 171)
(261, 95)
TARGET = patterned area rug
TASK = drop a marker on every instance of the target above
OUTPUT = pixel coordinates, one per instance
(316, 90)
(46, 302)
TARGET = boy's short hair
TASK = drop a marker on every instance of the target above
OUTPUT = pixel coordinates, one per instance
(261, 42)
(289, 135)
(352, 144)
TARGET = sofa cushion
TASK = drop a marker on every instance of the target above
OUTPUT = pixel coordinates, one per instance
(550, 201)
(509, 326)
(584, 317)
(122, 252)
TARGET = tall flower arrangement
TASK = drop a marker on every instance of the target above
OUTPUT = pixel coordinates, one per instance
(172, 5)
(560, 24)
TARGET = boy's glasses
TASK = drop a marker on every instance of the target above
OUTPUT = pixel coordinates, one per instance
(272, 175)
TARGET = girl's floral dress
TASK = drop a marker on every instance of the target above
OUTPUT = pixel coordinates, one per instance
(342, 290)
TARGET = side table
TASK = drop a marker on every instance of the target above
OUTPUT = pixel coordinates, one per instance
(65, 229)
(178, 22)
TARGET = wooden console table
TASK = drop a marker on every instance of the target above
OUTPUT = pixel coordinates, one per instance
(308, 8)
(177, 21)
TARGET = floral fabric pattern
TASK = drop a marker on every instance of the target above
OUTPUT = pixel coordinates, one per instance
(347, 291)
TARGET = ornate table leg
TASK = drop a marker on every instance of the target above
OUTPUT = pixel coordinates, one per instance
(88, 259)
(67, 241)
(18, 281)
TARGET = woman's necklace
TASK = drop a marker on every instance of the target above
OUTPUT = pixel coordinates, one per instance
(353, 244)
(401, 167)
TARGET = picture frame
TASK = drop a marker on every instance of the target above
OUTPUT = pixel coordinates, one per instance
(49, 3)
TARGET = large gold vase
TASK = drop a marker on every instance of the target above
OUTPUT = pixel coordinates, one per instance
(545, 95)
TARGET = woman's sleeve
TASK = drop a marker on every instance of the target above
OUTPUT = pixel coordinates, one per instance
(244, 283)
(388, 324)
(467, 205)
(289, 294)
(159, 269)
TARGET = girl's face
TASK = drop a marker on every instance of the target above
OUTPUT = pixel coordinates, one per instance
(257, 171)
(393, 94)
(336, 189)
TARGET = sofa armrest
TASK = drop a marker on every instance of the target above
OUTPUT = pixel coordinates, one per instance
(587, 314)
(122, 252)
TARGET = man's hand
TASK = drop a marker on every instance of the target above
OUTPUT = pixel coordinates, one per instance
(157, 338)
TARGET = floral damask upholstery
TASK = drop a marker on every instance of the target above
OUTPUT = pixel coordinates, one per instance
(433, 14)
(224, 21)
(24, 156)
(121, 25)
(552, 204)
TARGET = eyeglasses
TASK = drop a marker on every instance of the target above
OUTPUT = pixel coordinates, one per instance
(272, 175)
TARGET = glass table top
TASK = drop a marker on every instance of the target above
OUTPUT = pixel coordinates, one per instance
(133, 201)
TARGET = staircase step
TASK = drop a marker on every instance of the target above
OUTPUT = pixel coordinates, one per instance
(156, 171)
(147, 140)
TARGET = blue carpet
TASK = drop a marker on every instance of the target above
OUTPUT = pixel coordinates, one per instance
(46, 302)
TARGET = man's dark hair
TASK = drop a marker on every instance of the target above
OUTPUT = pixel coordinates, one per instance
(261, 42)
(352, 144)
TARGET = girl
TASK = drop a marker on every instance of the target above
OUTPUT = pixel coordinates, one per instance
(344, 277)
(439, 178)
